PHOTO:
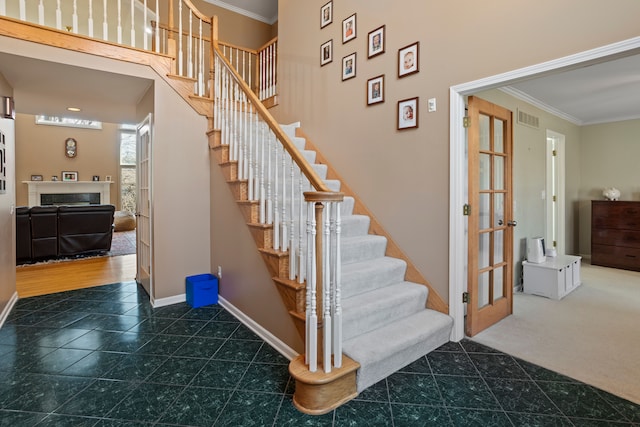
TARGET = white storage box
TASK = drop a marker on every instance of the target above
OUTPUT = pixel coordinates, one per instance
(553, 278)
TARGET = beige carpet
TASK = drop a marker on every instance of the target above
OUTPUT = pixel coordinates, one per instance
(592, 334)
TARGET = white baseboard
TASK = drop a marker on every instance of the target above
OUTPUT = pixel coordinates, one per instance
(7, 309)
(267, 336)
(157, 303)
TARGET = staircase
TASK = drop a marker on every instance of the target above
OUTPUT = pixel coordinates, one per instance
(386, 324)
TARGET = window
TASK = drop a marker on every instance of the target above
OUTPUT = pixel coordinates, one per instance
(68, 122)
(128, 190)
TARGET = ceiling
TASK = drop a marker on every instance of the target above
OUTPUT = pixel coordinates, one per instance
(262, 10)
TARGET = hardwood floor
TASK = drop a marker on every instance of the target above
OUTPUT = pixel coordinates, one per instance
(42, 279)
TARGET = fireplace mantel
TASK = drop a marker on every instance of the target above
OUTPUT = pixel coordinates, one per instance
(36, 188)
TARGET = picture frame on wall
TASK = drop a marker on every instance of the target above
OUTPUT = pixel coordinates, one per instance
(69, 176)
(375, 90)
(375, 44)
(349, 29)
(326, 52)
(349, 67)
(326, 14)
(409, 60)
(408, 113)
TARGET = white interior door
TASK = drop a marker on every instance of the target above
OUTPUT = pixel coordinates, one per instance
(555, 182)
(143, 212)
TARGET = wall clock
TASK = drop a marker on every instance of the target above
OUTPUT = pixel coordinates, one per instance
(70, 147)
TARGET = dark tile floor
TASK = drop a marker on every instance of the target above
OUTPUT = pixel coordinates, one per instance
(104, 357)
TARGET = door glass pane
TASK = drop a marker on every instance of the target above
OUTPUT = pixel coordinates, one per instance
(498, 136)
(498, 209)
(483, 250)
(485, 172)
(498, 172)
(498, 284)
(483, 289)
(485, 133)
(498, 246)
(484, 211)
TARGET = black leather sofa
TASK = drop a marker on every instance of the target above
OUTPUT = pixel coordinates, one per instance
(46, 232)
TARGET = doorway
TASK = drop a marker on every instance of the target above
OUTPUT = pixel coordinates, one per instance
(458, 161)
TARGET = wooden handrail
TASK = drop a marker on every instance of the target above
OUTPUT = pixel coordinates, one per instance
(305, 167)
(196, 12)
(232, 46)
(270, 42)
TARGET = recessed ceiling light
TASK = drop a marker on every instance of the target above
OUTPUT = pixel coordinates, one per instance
(74, 109)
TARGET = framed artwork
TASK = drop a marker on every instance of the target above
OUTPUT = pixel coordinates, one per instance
(36, 177)
(375, 90)
(69, 176)
(349, 28)
(408, 113)
(326, 14)
(376, 42)
(349, 66)
(107, 178)
(408, 60)
(95, 178)
(326, 52)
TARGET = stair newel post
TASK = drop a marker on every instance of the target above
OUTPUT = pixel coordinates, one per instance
(337, 291)
(326, 287)
(312, 316)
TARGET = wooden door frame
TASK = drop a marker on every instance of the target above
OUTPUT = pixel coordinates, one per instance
(458, 161)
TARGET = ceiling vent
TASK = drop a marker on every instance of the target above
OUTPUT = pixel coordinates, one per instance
(528, 120)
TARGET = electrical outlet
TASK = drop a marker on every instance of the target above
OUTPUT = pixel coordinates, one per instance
(219, 272)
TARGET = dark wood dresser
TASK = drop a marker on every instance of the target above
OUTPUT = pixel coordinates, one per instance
(615, 234)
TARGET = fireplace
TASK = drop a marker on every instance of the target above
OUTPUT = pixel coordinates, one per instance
(68, 192)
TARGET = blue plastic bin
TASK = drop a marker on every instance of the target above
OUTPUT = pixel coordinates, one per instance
(202, 290)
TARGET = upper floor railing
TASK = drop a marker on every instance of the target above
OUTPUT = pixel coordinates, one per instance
(172, 27)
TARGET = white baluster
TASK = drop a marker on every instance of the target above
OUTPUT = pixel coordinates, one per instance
(337, 286)
(326, 290)
(145, 28)
(157, 26)
(180, 38)
(23, 10)
(3, 7)
(301, 231)
(293, 256)
(201, 67)
(40, 11)
(105, 25)
(133, 24)
(269, 180)
(261, 167)
(74, 17)
(251, 158)
(119, 28)
(190, 47)
(58, 16)
(283, 216)
(276, 199)
(90, 19)
(312, 328)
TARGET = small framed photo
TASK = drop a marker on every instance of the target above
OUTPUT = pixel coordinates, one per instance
(349, 28)
(69, 176)
(376, 42)
(326, 14)
(107, 178)
(95, 178)
(375, 90)
(408, 60)
(326, 52)
(36, 177)
(408, 113)
(349, 66)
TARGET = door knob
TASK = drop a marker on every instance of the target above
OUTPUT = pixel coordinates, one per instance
(512, 223)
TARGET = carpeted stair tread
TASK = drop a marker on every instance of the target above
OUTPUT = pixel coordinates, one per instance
(387, 349)
(354, 225)
(361, 248)
(368, 311)
(321, 170)
(359, 277)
